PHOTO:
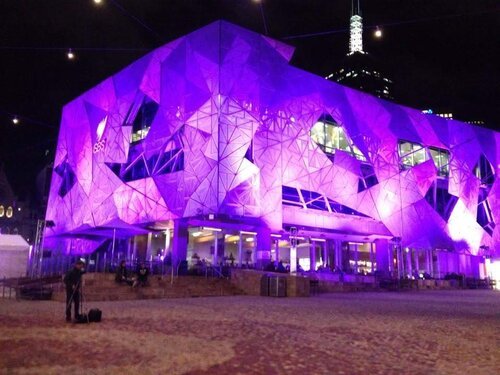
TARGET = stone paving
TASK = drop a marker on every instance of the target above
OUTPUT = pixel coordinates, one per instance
(452, 332)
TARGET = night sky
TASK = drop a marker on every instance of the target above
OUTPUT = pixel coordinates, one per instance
(441, 54)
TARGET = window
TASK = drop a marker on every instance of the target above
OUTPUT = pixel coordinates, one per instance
(411, 154)
(440, 199)
(368, 177)
(484, 172)
(291, 197)
(312, 200)
(330, 136)
(484, 217)
(65, 171)
(2, 211)
(139, 166)
(140, 117)
(441, 160)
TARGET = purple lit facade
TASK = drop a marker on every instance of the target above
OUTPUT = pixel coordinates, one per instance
(214, 147)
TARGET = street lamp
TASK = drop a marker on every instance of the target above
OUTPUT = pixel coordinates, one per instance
(377, 33)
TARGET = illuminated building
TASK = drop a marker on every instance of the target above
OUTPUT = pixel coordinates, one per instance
(214, 147)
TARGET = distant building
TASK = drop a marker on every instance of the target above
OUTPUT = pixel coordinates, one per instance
(15, 216)
(450, 116)
(476, 122)
(359, 69)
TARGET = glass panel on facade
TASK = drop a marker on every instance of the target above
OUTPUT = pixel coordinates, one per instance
(143, 119)
(330, 136)
(411, 154)
(485, 217)
(440, 199)
(200, 247)
(360, 258)
(484, 172)
(441, 160)
(249, 244)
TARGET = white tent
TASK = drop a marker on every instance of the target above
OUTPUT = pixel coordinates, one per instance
(14, 253)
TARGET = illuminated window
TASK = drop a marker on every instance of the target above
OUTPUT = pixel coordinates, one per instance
(9, 212)
(484, 172)
(140, 117)
(411, 154)
(330, 136)
(2, 211)
(441, 160)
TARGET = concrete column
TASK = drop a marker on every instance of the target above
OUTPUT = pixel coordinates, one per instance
(428, 262)
(167, 242)
(134, 249)
(148, 247)
(409, 267)
(293, 254)
(215, 258)
(113, 246)
(240, 251)
(179, 242)
(356, 257)
(338, 254)
(383, 255)
(277, 251)
(417, 263)
(438, 265)
(399, 260)
(129, 248)
(312, 256)
(372, 268)
(325, 254)
(263, 247)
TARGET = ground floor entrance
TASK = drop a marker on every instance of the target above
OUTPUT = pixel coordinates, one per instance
(187, 245)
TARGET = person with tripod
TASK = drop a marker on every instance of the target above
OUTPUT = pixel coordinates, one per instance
(73, 282)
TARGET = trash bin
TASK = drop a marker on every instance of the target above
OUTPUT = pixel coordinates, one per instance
(277, 286)
(264, 285)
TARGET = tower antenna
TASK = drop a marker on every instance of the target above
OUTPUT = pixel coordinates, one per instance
(356, 29)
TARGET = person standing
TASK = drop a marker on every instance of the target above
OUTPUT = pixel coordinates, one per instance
(73, 282)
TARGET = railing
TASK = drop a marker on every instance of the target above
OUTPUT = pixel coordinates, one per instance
(27, 287)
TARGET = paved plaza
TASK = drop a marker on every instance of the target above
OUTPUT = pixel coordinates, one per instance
(366, 333)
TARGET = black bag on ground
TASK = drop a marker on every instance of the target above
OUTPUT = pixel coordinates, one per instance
(95, 315)
(82, 318)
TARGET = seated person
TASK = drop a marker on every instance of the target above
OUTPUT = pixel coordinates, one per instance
(142, 275)
(121, 275)
(281, 268)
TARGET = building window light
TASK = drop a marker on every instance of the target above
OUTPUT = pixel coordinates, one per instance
(140, 117)
(441, 160)
(2, 211)
(330, 137)
(9, 212)
(411, 154)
